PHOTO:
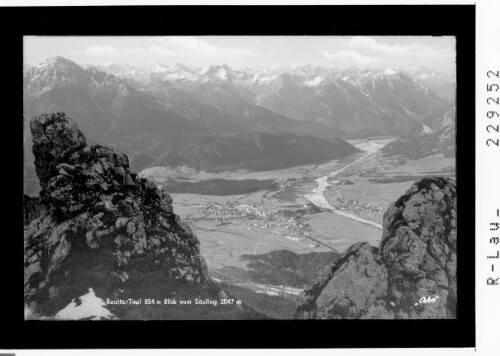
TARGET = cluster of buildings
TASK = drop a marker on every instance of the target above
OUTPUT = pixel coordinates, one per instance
(289, 225)
(353, 206)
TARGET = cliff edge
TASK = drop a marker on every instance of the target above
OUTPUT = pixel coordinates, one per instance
(97, 227)
(411, 275)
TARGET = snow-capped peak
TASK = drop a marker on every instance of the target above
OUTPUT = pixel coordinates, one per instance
(181, 67)
(57, 60)
(314, 82)
(222, 74)
(159, 68)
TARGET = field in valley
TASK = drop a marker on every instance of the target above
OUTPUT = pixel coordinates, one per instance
(357, 191)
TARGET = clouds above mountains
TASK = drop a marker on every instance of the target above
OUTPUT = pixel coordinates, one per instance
(349, 57)
(384, 51)
(169, 47)
(248, 51)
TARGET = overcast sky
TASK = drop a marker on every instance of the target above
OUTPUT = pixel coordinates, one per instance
(251, 51)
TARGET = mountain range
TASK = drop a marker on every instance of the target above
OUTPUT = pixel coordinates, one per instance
(436, 134)
(444, 84)
(340, 101)
(353, 102)
(172, 110)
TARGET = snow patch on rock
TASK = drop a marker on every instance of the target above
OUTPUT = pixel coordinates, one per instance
(314, 82)
(91, 307)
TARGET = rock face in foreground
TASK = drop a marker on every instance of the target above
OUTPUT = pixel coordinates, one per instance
(416, 258)
(102, 227)
(32, 208)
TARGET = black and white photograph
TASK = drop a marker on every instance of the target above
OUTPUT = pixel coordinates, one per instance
(239, 177)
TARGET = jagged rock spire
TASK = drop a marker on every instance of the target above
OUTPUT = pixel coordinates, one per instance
(54, 136)
(101, 226)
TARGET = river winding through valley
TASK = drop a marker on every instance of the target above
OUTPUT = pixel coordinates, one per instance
(318, 195)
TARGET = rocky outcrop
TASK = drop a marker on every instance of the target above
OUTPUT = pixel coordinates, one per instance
(419, 247)
(33, 208)
(411, 275)
(101, 227)
(348, 287)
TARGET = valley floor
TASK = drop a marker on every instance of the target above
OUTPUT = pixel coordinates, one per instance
(318, 208)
